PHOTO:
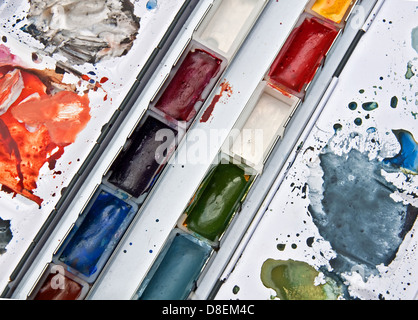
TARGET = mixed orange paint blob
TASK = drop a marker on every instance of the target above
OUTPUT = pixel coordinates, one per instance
(36, 123)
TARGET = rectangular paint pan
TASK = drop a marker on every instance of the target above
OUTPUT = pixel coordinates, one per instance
(303, 53)
(143, 157)
(192, 78)
(261, 124)
(217, 199)
(96, 233)
(227, 24)
(334, 11)
(175, 271)
(56, 283)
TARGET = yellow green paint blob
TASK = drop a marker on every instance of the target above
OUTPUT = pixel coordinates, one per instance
(293, 280)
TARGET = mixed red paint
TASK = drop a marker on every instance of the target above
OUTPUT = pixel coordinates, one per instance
(185, 89)
(37, 121)
(302, 54)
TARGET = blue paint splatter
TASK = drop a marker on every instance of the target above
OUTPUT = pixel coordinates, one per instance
(407, 159)
(355, 212)
(151, 4)
(370, 106)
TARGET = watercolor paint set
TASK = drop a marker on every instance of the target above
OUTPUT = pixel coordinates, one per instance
(268, 82)
(228, 180)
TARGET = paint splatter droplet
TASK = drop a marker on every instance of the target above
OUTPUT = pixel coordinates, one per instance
(337, 127)
(409, 73)
(151, 4)
(281, 247)
(358, 122)
(370, 106)
(394, 102)
(352, 106)
(235, 290)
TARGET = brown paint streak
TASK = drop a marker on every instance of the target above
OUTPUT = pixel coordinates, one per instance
(225, 87)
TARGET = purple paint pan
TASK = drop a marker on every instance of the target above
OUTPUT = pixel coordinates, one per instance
(143, 157)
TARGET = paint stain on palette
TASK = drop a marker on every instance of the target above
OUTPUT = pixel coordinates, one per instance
(356, 207)
(294, 280)
(83, 31)
(39, 116)
(355, 211)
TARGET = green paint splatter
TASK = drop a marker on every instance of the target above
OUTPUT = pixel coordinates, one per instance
(394, 102)
(370, 106)
(293, 280)
(236, 289)
(281, 247)
(352, 106)
(337, 127)
(358, 121)
(409, 73)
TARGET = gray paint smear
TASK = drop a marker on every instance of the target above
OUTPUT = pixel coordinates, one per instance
(414, 39)
(356, 214)
(5, 235)
(83, 31)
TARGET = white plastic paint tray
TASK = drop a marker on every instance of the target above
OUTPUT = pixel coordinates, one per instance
(261, 124)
